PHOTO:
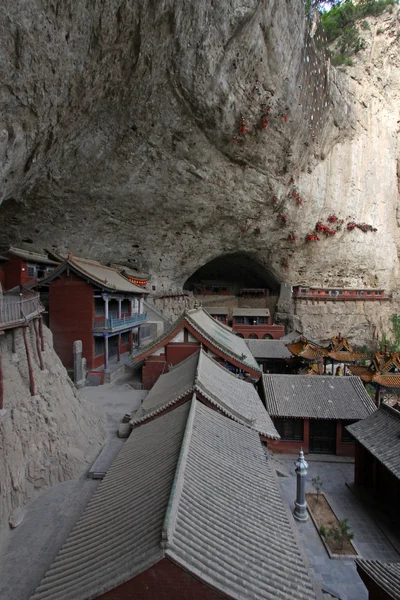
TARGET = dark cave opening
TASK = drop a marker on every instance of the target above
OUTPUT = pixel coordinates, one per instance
(232, 274)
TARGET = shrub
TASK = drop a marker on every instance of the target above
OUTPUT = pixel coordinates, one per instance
(365, 25)
(341, 533)
(341, 59)
(317, 485)
(379, 31)
(322, 531)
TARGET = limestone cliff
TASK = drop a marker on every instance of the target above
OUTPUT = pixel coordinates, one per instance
(120, 120)
(46, 438)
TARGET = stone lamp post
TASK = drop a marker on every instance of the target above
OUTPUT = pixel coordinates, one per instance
(300, 506)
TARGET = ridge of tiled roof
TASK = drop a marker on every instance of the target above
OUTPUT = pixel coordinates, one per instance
(268, 349)
(235, 398)
(228, 351)
(92, 270)
(194, 487)
(389, 380)
(320, 397)
(188, 316)
(385, 574)
(379, 434)
(346, 356)
(33, 256)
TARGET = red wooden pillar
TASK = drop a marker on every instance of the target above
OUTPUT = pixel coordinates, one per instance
(1, 385)
(38, 344)
(41, 332)
(306, 435)
(28, 358)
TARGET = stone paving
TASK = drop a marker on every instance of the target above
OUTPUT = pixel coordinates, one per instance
(369, 540)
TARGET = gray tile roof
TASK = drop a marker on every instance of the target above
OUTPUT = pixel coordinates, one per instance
(268, 349)
(386, 575)
(236, 398)
(379, 434)
(216, 511)
(34, 257)
(119, 533)
(216, 310)
(251, 312)
(292, 335)
(219, 335)
(319, 397)
(222, 336)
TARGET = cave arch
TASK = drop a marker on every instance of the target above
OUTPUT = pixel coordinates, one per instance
(231, 273)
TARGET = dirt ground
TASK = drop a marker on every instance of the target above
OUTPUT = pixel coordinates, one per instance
(324, 516)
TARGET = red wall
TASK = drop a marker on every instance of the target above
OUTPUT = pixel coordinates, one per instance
(2, 279)
(154, 366)
(275, 331)
(14, 275)
(292, 447)
(177, 352)
(163, 581)
(71, 311)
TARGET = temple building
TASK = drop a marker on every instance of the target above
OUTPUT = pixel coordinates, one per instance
(220, 313)
(377, 457)
(94, 304)
(193, 329)
(300, 292)
(22, 267)
(134, 276)
(312, 412)
(255, 324)
(213, 385)
(190, 508)
(383, 372)
(272, 356)
(382, 579)
(338, 352)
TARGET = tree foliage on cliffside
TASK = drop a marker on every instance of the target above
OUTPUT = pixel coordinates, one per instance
(340, 24)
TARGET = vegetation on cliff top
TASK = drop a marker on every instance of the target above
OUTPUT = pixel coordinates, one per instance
(340, 25)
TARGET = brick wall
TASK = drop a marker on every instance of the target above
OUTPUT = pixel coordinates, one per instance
(71, 308)
(163, 581)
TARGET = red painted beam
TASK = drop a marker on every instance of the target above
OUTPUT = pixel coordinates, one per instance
(28, 358)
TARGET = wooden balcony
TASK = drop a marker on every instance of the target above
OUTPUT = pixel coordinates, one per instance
(15, 311)
(113, 324)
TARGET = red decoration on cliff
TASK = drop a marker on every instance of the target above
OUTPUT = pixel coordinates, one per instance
(243, 125)
(324, 229)
(292, 238)
(285, 117)
(243, 229)
(332, 219)
(362, 226)
(312, 237)
(283, 218)
(264, 121)
(234, 141)
(275, 198)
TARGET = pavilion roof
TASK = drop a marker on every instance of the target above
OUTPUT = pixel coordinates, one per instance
(234, 397)
(30, 256)
(365, 373)
(220, 337)
(344, 356)
(217, 310)
(379, 434)
(251, 312)
(129, 271)
(322, 397)
(274, 349)
(384, 370)
(304, 348)
(385, 575)
(106, 278)
(195, 488)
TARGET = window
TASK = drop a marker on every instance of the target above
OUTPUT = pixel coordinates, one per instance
(125, 306)
(31, 270)
(125, 337)
(347, 438)
(221, 318)
(98, 346)
(99, 307)
(263, 320)
(239, 320)
(290, 429)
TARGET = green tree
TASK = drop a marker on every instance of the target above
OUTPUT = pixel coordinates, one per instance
(341, 533)
(317, 485)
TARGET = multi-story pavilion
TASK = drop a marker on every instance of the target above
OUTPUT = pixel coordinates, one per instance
(255, 323)
(21, 267)
(94, 304)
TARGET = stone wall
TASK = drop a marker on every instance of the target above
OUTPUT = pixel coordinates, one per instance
(46, 438)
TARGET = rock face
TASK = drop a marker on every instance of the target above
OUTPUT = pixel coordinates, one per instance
(118, 127)
(119, 120)
(44, 439)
